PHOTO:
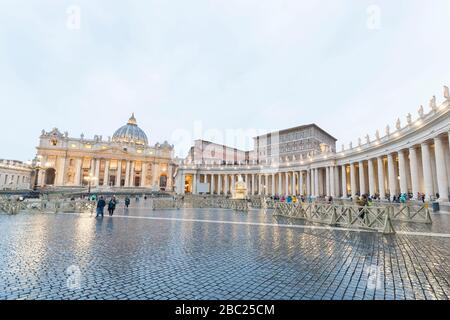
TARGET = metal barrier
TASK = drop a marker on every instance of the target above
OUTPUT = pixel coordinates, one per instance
(411, 213)
(364, 217)
(46, 206)
(202, 202)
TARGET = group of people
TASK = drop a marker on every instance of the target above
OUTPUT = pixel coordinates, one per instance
(112, 203)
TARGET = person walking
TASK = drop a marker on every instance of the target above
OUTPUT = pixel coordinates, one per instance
(112, 206)
(101, 203)
(127, 202)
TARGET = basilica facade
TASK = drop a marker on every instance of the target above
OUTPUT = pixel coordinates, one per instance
(123, 161)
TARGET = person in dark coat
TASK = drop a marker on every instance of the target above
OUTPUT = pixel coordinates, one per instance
(101, 203)
(127, 202)
(112, 205)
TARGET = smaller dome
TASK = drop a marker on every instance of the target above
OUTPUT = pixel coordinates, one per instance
(130, 133)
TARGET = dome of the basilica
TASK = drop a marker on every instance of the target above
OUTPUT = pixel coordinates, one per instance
(130, 133)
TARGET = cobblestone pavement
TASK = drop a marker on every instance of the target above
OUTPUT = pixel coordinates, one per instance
(215, 254)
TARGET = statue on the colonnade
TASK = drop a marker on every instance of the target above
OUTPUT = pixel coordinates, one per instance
(446, 93)
(377, 134)
(433, 104)
(398, 125)
(420, 111)
(388, 130)
(409, 118)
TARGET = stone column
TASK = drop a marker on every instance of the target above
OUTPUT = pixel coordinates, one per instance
(194, 183)
(332, 186)
(169, 177)
(441, 169)
(233, 182)
(337, 186)
(155, 176)
(97, 172)
(219, 184)
(60, 166)
(253, 184)
(106, 174)
(213, 183)
(119, 173)
(402, 172)
(308, 182)
(414, 167)
(372, 182)
(272, 186)
(294, 183)
(381, 189)
(183, 182)
(225, 185)
(344, 181)
(127, 174)
(392, 176)
(353, 179)
(300, 182)
(132, 173)
(143, 174)
(78, 164)
(280, 182)
(327, 181)
(316, 182)
(286, 183)
(362, 179)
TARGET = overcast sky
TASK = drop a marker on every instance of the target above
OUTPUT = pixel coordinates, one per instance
(189, 68)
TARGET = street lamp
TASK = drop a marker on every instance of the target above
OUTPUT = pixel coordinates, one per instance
(89, 179)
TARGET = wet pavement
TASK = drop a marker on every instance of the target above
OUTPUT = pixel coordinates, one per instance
(216, 254)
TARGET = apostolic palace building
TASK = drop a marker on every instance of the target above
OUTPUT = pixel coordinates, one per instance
(123, 161)
(412, 157)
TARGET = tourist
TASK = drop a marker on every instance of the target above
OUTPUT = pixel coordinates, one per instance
(100, 206)
(112, 205)
(403, 198)
(127, 201)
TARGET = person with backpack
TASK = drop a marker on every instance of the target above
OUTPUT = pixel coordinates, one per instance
(101, 203)
(112, 205)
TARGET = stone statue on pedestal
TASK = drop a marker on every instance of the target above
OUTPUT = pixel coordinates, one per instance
(433, 104)
(240, 190)
(367, 138)
(409, 118)
(446, 93)
(420, 111)
(359, 142)
(398, 124)
(388, 129)
(377, 134)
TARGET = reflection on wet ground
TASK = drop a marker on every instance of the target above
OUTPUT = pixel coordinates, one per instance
(175, 254)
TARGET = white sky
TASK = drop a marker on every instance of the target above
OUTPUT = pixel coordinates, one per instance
(187, 68)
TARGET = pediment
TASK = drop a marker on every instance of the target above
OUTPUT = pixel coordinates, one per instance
(113, 150)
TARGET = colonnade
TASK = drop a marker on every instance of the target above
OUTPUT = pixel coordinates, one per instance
(422, 168)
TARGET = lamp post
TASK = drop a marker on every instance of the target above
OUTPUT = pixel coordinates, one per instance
(89, 179)
(36, 166)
